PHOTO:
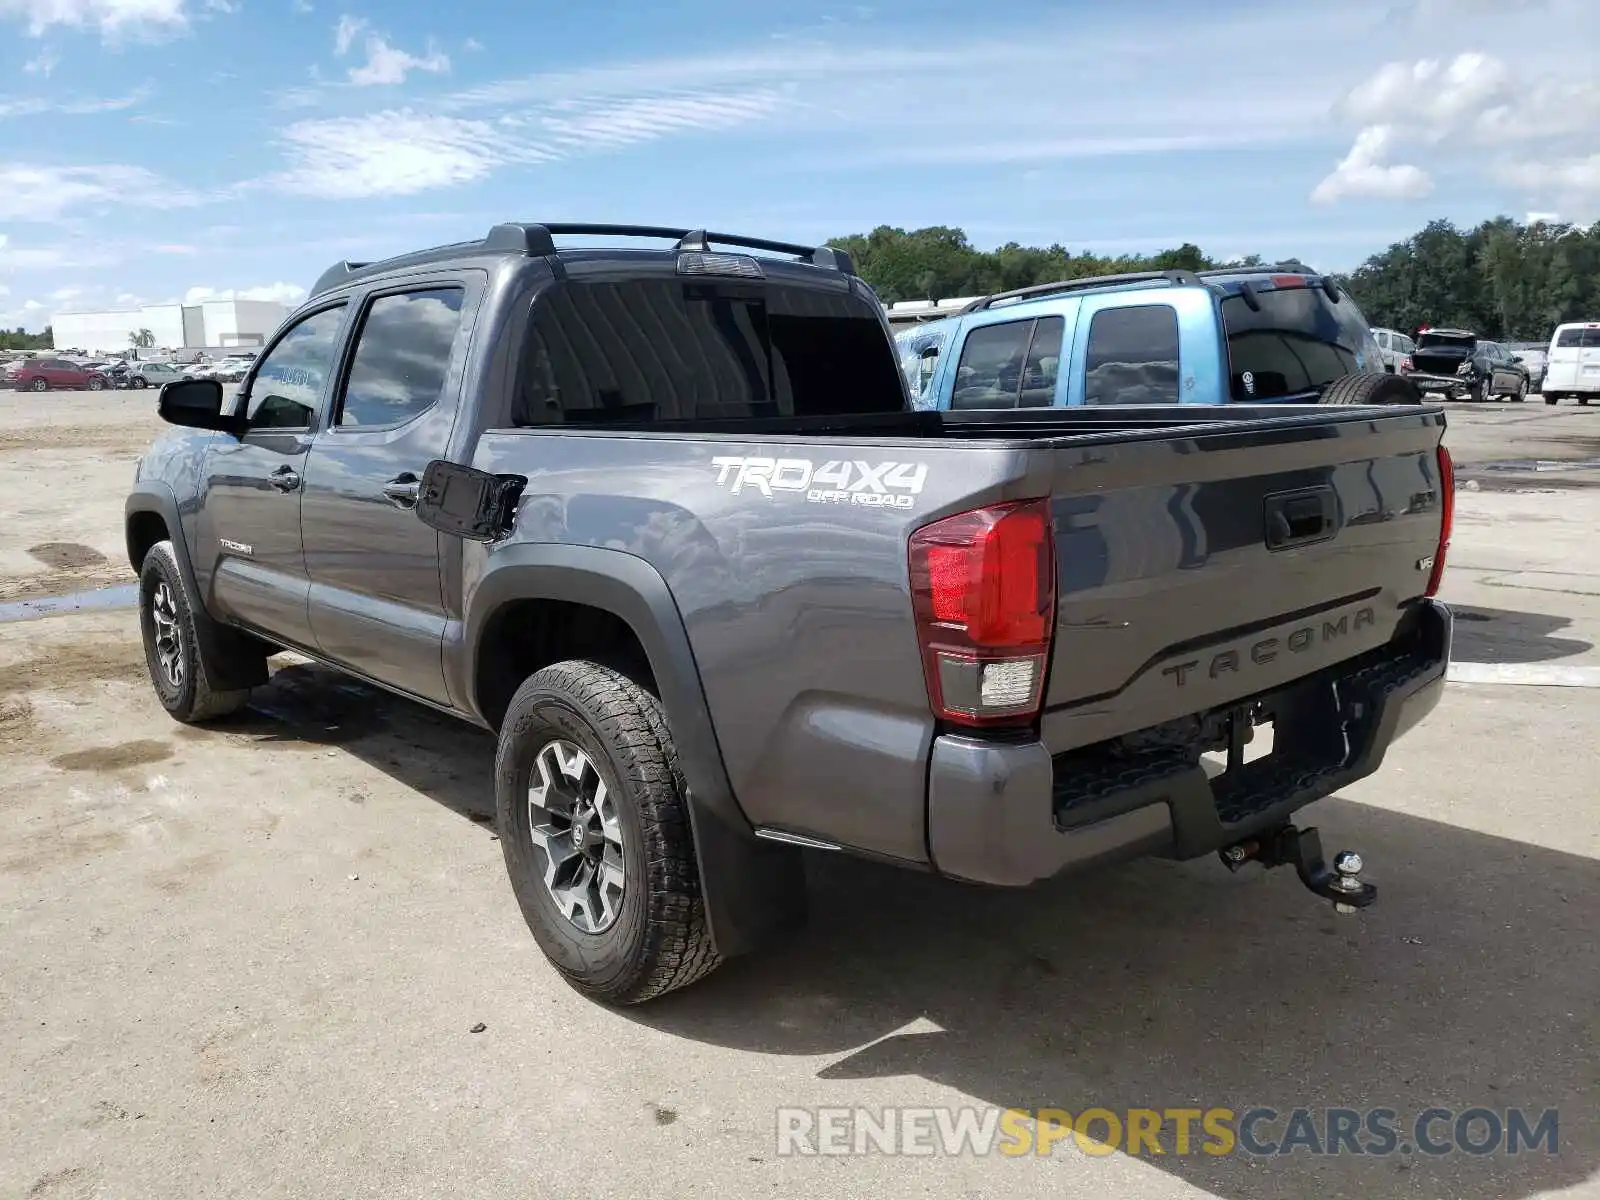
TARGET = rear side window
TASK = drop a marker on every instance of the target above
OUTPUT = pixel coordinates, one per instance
(1299, 341)
(659, 351)
(1011, 365)
(1132, 357)
(402, 357)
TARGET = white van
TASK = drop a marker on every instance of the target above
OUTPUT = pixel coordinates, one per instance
(1573, 367)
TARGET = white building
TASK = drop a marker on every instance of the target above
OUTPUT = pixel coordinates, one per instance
(210, 324)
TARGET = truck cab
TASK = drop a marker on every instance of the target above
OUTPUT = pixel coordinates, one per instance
(1248, 335)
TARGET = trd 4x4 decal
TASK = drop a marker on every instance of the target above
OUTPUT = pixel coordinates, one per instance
(837, 481)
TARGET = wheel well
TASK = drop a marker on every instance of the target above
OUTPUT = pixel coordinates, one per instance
(526, 635)
(145, 529)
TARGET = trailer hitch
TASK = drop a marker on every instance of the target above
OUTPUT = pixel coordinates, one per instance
(1302, 849)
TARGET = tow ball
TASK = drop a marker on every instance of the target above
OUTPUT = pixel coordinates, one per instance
(1302, 849)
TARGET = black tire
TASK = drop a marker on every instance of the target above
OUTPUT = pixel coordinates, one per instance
(96, 384)
(1372, 389)
(1480, 391)
(187, 694)
(138, 383)
(40, 385)
(1551, 399)
(1522, 392)
(659, 940)
(1584, 400)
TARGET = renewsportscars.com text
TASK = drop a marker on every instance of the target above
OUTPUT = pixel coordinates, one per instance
(1257, 1131)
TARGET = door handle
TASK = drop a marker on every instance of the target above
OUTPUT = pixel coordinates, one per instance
(402, 491)
(284, 479)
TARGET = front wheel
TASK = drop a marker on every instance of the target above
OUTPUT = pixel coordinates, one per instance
(97, 384)
(594, 823)
(180, 671)
(1522, 391)
(138, 383)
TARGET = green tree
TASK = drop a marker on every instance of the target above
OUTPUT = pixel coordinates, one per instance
(143, 339)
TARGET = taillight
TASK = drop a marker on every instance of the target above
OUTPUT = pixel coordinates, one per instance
(983, 588)
(1447, 518)
(1406, 364)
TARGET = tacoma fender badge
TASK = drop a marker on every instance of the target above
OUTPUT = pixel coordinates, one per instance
(238, 547)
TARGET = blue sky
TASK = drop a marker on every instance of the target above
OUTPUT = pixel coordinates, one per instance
(159, 149)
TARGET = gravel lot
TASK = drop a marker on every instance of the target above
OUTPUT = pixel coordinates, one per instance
(246, 961)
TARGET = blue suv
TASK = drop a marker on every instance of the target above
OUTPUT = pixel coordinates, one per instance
(1264, 335)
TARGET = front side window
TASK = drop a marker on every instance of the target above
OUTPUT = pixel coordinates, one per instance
(1132, 356)
(288, 387)
(402, 356)
(655, 351)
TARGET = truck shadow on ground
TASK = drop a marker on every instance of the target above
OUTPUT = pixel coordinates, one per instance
(1499, 635)
(1471, 983)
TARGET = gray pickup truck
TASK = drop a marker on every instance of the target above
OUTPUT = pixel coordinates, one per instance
(664, 519)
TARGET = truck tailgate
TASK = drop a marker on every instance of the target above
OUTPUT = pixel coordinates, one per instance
(1195, 571)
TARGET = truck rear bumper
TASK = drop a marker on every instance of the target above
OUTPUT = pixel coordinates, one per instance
(1011, 814)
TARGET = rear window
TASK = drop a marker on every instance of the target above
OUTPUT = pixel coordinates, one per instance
(661, 351)
(1299, 341)
(1575, 339)
(1132, 356)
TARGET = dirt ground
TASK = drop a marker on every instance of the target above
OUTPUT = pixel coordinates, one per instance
(249, 960)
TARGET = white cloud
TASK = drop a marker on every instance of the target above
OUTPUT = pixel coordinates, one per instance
(42, 63)
(1572, 177)
(394, 153)
(111, 18)
(471, 45)
(32, 305)
(388, 64)
(344, 33)
(46, 193)
(4, 290)
(32, 106)
(1363, 172)
(1465, 112)
(281, 293)
(66, 293)
(1430, 94)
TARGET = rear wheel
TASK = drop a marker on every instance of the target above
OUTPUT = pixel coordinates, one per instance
(1372, 389)
(1480, 391)
(138, 382)
(594, 824)
(1551, 399)
(41, 385)
(1522, 391)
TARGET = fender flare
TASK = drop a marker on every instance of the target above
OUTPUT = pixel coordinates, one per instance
(752, 889)
(232, 661)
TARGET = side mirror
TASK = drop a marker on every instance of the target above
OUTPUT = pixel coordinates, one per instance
(195, 404)
(468, 503)
(1516, 358)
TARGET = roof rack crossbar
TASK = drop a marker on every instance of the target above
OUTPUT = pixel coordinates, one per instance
(1174, 276)
(822, 256)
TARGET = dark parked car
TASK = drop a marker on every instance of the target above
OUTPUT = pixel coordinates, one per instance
(42, 374)
(1464, 367)
(664, 521)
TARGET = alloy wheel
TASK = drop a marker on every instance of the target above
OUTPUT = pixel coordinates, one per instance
(169, 643)
(574, 822)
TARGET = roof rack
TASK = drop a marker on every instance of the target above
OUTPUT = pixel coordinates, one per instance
(538, 240)
(1175, 276)
(335, 275)
(1293, 267)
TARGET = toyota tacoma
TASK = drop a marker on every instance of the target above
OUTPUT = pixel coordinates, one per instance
(664, 519)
